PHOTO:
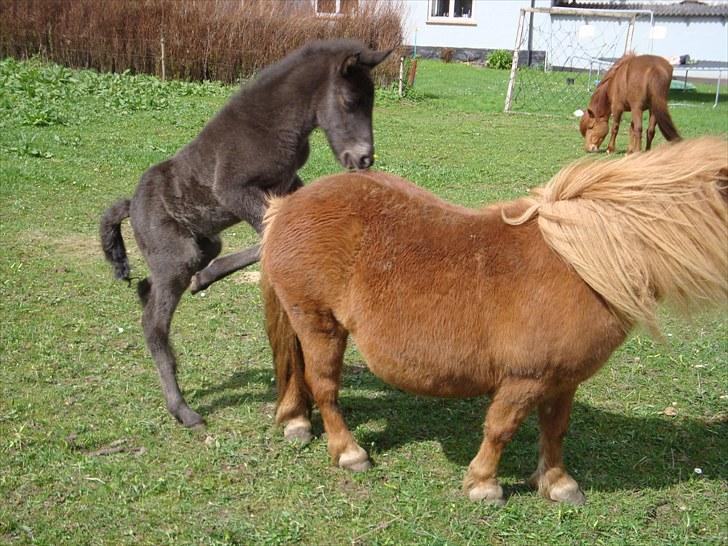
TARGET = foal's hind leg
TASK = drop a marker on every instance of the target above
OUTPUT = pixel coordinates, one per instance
(511, 404)
(173, 255)
(551, 478)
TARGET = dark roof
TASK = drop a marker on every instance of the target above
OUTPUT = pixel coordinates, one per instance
(685, 8)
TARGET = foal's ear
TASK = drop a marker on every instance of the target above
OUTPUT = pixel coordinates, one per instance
(349, 63)
(591, 114)
(372, 58)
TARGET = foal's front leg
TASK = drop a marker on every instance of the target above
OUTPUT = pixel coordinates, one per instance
(616, 120)
(250, 208)
(511, 404)
(551, 478)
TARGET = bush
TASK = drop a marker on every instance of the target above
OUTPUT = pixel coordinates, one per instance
(223, 40)
(446, 54)
(501, 59)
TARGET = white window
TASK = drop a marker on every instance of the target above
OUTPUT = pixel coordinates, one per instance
(450, 10)
(336, 7)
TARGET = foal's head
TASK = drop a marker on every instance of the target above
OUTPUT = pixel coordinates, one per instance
(344, 109)
(594, 129)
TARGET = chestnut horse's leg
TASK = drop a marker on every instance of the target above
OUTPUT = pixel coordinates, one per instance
(512, 402)
(323, 352)
(635, 134)
(551, 478)
(616, 119)
(651, 124)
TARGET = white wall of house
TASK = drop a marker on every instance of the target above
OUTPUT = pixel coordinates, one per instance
(492, 24)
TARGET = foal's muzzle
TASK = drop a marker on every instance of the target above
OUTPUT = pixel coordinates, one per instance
(357, 162)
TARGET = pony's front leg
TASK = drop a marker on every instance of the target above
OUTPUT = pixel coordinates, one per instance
(511, 404)
(616, 120)
(551, 478)
(323, 354)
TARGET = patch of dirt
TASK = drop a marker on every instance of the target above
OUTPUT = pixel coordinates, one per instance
(246, 277)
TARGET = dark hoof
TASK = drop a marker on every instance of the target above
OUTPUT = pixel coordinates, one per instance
(196, 284)
(190, 419)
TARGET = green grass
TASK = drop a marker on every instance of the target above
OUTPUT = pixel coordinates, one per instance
(76, 378)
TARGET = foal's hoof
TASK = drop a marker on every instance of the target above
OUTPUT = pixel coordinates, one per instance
(567, 492)
(355, 460)
(191, 419)
(490, 492)
(196, 284)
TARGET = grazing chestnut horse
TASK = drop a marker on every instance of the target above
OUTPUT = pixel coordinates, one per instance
(634, 83)
(521, 300)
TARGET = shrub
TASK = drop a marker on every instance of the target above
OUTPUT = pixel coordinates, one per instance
(223, 40)
(446, 54)
(501, 59)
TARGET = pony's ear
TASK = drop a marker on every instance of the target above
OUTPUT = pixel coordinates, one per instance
(349, 63)
(578, 113)
(371, 58)
(591, 114)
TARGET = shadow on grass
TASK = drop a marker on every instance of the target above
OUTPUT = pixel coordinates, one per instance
(604, 450)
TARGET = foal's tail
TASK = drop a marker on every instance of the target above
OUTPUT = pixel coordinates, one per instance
(111, 239)
(287, 355)
(644, 228)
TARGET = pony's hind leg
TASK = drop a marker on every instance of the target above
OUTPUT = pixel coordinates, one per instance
(635, 133)
(511, 404)
(323, 350)
(551, 478)
(651, 124)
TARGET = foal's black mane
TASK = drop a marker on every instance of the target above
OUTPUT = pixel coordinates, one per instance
(311, 53)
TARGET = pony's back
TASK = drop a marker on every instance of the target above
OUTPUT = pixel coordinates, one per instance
(643, 228)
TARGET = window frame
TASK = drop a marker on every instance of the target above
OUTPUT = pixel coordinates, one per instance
(450, 19)
(337, 8)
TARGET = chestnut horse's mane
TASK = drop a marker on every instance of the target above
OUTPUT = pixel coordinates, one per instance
(600, 101)
(643, 228)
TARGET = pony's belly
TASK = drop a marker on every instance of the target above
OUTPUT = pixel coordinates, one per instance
(426, 375)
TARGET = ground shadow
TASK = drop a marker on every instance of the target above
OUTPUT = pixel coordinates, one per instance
(607, 451)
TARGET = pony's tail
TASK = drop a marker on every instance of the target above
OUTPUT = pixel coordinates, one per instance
(111, 239)
(287, 356)
(664, 121)
(294, 397)
(646, 228)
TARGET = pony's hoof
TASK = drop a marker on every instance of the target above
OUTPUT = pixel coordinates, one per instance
(568, 492)
(490, 492)
(355, 460)
(298, 433)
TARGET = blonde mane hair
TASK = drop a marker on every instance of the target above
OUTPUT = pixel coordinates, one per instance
(644, 228)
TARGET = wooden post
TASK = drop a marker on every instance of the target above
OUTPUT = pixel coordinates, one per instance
(514, 62)
(401, 76)
(164, 71)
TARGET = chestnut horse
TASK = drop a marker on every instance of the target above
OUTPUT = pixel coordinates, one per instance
(634, 83)
(521, 300)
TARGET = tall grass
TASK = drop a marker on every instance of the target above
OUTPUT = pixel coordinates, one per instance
(203, 39)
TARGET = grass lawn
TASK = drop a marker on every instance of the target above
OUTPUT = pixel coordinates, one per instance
(89, 454)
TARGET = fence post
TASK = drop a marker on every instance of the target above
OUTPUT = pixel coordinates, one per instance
(401, 75)
(164, 72)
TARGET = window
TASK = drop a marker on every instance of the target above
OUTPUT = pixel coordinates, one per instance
(452, 9)
(336, 7)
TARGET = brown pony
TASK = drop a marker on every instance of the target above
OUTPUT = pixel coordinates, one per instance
(634, 83)
(521, 300)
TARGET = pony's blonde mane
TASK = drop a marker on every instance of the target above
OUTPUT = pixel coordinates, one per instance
(643, 228)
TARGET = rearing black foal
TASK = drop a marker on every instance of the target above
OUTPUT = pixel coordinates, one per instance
(252, 148)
